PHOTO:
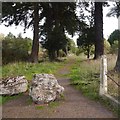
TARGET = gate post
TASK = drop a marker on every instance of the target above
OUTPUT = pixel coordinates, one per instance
(103, 75)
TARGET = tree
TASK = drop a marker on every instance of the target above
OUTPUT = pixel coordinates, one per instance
(71, 47)
(61, 18)
(27, 14)
(15, 49)
(114, 37)
(87, 29)
(115, 11)
(10, 36)
(99, 41)
(86, 40)
(35, 46)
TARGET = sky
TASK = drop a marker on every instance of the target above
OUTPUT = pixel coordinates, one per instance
(109, 25)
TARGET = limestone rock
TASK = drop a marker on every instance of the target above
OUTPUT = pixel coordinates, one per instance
(45, 88)
(13, 85)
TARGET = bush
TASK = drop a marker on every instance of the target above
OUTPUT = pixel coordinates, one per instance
(62, 53)
(114, 48)
(106, 46)
(79, 51)
(15, 49)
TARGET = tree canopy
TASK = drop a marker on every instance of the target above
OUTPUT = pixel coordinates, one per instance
(115, 35)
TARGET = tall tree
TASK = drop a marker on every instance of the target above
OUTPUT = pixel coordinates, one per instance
(87, 31)
(86, 40)
(35, 46)
(59, 18)
(27, 14)
(99, 41)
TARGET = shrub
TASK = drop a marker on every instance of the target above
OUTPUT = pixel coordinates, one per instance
(15, 49)
(106, 46)
(79, 51)
(114, 48)
(62, 53)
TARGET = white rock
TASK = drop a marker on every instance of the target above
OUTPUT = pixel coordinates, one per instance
(45, 88)
(14, 85)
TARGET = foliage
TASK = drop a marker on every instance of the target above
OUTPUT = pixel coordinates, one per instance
(114, 47)
(107, 46)
(115, 35)
(17, 13)
(86, 40)
(57, 22)
(61, 53)
(114, 11)
(15, 49)
(79, 50)
(71, 46)
(27, 14)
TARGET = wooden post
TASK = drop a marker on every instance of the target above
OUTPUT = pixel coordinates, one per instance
(103, 76)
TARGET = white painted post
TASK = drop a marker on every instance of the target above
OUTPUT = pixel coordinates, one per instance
(103, 76)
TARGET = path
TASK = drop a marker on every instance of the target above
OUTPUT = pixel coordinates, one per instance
(75, 104)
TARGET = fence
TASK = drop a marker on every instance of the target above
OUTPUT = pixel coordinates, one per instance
(104, 76)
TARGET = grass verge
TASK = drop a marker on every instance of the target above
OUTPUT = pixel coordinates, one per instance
(85, 76)
(29, 69)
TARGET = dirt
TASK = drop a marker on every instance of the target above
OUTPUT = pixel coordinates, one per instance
(74, 104)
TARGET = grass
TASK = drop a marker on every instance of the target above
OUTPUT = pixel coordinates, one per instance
(85, 76)
(29, 101)
(39, 107)
(28, 70)
(53, 104)
(4, 99)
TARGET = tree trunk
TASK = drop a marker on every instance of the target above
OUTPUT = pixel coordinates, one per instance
(35, 45)
(51, 55)
(99, 41)
(88, 52)
(117, 66)
(57, 53)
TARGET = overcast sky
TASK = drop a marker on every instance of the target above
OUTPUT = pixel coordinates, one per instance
(110, 24)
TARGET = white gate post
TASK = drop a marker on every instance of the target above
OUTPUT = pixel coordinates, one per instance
(103, 75)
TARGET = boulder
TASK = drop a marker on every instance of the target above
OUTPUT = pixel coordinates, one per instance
(13, 85)
(45, 88)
